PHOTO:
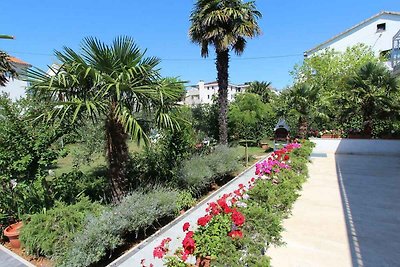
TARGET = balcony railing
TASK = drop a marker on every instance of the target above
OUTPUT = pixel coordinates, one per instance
(395, 56)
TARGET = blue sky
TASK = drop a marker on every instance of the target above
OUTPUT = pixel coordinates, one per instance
(160, 26)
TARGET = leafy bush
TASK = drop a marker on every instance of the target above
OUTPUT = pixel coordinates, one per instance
(250, 118)
(69, 186)
(101, 235)
(27, 150)
(200, 171)
(185, 200)
(49, 233)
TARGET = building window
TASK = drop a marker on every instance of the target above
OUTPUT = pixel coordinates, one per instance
(381, 27)
(208, 96)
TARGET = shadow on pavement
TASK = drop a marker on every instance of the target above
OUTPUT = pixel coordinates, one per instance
(370, 192)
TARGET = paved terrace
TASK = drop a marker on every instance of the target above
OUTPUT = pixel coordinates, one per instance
(349, 210)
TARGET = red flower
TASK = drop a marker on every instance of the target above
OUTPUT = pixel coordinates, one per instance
(222, 203)
(237, 218)
(184, 256)
(236, 234)
(165, 241)
(253, 179)
(215, 210)
(188, 243)
(159, 252)
(186, 226)
(237, 192)
(286, 158)
(202, 221)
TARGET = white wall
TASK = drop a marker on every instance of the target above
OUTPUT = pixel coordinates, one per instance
(15, 88)
(367, 34)
(357, 146)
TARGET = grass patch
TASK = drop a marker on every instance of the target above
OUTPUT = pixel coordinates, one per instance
(66, 164)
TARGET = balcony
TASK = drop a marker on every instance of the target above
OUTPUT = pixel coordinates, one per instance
(395, 55)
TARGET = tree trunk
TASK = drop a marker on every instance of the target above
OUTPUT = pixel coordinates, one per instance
(303, 127)
(223, 75)
(367, 119)
(117, 157)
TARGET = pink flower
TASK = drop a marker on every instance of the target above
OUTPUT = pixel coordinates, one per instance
(159, 252)
(186, 226)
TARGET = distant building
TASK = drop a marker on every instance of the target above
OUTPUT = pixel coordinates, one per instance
(16, 88)
(203, 93)
(381, 32)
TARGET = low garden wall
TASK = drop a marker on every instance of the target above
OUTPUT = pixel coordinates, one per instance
(358, 146)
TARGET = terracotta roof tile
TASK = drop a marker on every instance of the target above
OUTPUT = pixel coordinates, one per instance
(18, 61)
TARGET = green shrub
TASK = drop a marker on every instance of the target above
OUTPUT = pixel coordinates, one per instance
(224, 160)
(200, 171)
(49, 233)
(185, 200)
(102, 234)
(69, 186)
(196, 174)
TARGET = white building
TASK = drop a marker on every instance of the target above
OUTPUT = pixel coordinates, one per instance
(203, 93)
(378, 32)
(16, 88)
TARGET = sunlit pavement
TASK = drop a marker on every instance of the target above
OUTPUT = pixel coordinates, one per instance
(348, 214)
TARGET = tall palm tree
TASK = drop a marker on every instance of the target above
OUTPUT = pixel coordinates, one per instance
(372, 92)
(224, 24)
(115, 85)
(263, 89)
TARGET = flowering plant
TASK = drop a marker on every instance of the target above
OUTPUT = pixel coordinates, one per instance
(223, 219)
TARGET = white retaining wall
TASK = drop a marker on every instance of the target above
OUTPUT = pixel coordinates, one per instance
(357, 146)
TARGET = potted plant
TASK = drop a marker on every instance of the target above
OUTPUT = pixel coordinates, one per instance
(12, 233)
(326, 134)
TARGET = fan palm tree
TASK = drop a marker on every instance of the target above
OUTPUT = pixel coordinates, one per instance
(263, 89)
(372, 92)
(302, 100)
(115, 85)
(224, 24)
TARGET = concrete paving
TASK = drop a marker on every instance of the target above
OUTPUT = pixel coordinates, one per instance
(10, 259)
(348, 214)
(174, 229)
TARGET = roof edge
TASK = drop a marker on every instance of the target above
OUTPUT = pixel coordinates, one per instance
(316, 48)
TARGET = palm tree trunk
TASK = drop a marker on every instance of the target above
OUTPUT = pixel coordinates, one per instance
(303, 127)
(223, 75)
(367, 123)
(117, 156)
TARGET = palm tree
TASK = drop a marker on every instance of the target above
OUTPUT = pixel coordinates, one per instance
(224, 24)
(263, 89)
(301, 99)
(6, 69)
(115, 85)
(372, 92)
